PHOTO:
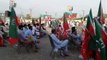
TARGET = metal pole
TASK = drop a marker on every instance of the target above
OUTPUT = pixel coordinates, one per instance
(83, 15)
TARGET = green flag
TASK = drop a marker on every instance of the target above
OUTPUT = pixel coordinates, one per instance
(100, 15)
(99, 41)
(13, 34)
(33, 21)
(56, 21)
(90, 13)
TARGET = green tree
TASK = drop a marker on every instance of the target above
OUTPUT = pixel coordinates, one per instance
(105, 15)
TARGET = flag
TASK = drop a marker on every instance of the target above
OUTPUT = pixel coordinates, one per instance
(1, 21)
(1, 41)
(13, 34)
(74, 15)
(33, 21)
(40, 24)
(88, 41)
(53, 24)
(91, 14)
(65, 23)
(61, 19)
(56, 21)
(104, 35)
(101, 52)
(60, 36)
(100, 15)
(17, 21)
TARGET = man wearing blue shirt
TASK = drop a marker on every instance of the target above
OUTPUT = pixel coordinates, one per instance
(59, 43)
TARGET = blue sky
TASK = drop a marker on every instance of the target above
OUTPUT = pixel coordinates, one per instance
(54, 7)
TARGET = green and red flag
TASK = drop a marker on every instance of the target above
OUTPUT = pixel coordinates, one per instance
(13, 34)
(65, 23)
(88, 41)
(100, 15)
(100, 52)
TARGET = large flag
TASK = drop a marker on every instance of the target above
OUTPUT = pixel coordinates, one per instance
(101, 52)
(13, 34)
(88, 41)
(65, 23)
(100, 15)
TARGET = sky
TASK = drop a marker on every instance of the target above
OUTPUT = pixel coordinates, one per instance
(55, 8)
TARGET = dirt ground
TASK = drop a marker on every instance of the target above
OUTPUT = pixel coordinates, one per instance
(9, 53)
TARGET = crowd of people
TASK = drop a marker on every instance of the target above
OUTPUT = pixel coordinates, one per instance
(33, 32)
(64, 39)
(25, 32)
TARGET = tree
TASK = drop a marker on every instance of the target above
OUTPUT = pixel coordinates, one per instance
(28, 16)
(105, 15)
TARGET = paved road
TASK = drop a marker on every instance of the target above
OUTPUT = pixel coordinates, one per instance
(8, 53)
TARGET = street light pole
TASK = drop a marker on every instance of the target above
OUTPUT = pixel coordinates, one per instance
(83, 14)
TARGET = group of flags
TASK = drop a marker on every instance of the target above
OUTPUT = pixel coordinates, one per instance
(94, 42)
(62, 35)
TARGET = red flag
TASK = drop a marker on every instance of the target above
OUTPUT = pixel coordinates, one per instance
(73, 15)
(98, 55)
(1, 21)
(61, 19)
(64, 35)
(1, 41)
(16, 20)
(104, 36)
(100, 14)
(65, 23)
(102, 18)
(68, 16)
(13, 41)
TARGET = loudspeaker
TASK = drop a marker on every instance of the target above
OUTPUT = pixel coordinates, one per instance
(7, 13)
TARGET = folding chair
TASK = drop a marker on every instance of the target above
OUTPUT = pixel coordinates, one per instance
(73, 43)
(26, 44)
(53, 53)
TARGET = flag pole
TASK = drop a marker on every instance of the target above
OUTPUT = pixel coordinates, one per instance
(83, 14)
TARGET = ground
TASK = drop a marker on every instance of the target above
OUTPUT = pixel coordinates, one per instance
(9, 53)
